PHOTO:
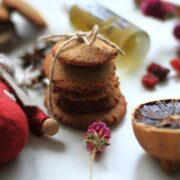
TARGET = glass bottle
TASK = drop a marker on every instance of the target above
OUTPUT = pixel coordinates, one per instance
(84, 14)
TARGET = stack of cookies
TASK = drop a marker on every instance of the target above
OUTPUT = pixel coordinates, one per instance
(85, 87)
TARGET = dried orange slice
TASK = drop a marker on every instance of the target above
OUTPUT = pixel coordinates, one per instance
(156, 126)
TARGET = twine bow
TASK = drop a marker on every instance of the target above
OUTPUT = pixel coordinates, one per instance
(81, 36)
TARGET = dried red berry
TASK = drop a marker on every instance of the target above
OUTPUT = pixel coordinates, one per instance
(157, 70)
(149, 81)
(178, 52)
(175, 63)
(158, 9)
(176, 31)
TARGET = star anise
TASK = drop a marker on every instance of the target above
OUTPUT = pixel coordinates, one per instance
(34, 58)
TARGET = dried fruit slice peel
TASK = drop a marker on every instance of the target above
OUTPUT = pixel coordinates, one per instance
(156, 126)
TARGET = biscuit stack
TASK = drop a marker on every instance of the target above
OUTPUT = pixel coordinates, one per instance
(85, 87)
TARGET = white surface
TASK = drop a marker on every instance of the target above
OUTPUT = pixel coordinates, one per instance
(64, 157)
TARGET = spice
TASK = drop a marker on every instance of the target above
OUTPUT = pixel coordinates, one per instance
(178, 52)
(155, 73)
(33, 61)
(175, 63)
(149, 81)
(34, 58)
(176, 31)
(158, 9)
(159, 71)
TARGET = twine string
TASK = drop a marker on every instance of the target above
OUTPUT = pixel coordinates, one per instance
(81, 36)
(52, 71)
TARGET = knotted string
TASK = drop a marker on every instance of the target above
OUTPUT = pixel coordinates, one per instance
(81, 36)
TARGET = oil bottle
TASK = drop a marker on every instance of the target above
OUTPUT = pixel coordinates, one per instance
(84, 14)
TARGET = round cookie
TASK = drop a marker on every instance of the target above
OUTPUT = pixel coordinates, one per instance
(4, 14)
(89, 106)
(80, 54)
(110, 117)
(26, 10)
(79, 79)
(86, 106)
(95, 95)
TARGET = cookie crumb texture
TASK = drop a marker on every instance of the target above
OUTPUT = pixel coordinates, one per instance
(78, 78)
(85, 87)
(98, 53)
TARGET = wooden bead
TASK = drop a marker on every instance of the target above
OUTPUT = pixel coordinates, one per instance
(50, 127)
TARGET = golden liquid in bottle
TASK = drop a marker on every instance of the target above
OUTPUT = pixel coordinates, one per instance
(133, 41)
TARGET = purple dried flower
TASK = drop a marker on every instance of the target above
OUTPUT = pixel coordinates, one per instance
(176, 31)
(97, 137)
(158, 9)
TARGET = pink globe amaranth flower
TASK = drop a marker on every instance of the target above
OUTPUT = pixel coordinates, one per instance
(176, 31)
(97, 137)
(158, 9)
